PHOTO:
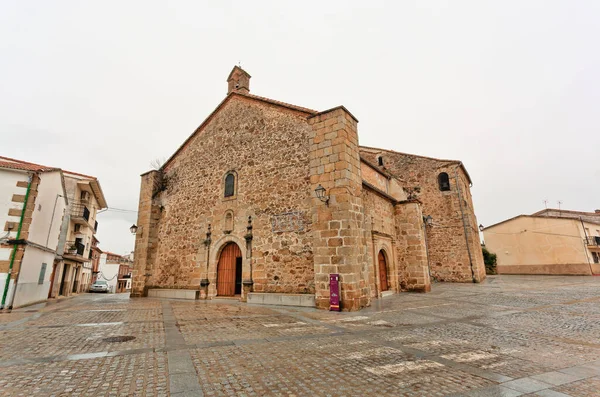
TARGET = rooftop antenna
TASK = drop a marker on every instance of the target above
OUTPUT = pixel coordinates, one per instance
(559, 203)
(546, 203)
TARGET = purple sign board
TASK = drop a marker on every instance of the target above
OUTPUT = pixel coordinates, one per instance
(334, 292)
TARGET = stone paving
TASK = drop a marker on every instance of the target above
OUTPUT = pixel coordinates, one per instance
(510, 336)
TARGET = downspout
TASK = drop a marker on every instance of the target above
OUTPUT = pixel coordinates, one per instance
(462, 214)
(427, 250)
(14, 252)
(585, 248)
(52, 218)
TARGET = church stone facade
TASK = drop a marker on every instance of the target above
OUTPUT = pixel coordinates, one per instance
(235, 210)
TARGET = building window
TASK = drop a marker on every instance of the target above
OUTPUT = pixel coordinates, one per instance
(228, 222)
(596, 257)
(229, 185)
(380, 160)
(444, 182)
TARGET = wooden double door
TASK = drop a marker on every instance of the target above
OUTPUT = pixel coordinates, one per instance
(229, 271)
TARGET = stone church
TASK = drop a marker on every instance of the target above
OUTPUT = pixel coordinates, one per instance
(265, 200)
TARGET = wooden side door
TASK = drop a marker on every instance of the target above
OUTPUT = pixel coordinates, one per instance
(383, 281)
(226, 270)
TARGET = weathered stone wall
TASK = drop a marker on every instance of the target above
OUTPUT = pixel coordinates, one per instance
(339, 236)
(447, 245)
(267, 148)
(411, 247)
(381, 230)
(146, 240)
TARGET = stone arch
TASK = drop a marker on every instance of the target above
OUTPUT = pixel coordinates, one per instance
(387, 246)
(228, 221)
(216, 249)
(230, 185)
(384, 270)
(444, 181)
(229, 270)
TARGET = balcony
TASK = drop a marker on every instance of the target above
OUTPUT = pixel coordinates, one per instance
(592, 241)
(80, 212)
(74, 250)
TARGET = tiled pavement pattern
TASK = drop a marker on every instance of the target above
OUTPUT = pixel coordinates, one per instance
(511, 336)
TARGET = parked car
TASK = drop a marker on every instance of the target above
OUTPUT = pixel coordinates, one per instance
(99, 286)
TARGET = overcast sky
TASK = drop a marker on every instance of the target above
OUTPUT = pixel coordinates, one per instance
(511, 88)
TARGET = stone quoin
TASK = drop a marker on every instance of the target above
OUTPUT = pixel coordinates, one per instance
(234, 211)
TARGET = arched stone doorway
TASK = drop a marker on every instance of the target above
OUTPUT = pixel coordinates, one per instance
(383, 272)
(229, 271)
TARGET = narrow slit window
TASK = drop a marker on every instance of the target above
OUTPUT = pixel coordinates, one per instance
(380, 160)
(229, 185)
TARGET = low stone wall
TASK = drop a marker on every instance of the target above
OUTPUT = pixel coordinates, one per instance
(571, 269)
(190, 294)
(305, 300)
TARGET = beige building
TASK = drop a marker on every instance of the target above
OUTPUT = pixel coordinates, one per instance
(73, 265)
(550, 241)
(266, 200)
(32, 205)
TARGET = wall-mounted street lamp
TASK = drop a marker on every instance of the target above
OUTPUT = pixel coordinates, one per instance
(428, 220)
(134, 229)
(481, 228)
(320, 191)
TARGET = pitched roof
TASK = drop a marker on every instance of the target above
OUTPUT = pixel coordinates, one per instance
(567, 212)
(233, 70)
(220, 105)
(279, 103)
(458, 162)
(564, 218)
(7, 162)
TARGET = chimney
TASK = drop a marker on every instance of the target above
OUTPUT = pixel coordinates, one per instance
(238, 81)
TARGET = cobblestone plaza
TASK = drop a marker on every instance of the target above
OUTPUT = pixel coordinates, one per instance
(510, 336)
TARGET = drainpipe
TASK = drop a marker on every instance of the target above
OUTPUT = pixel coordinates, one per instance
(427, 250)
(52, 219)
(585, 248)
(462, 213)
(15, 247)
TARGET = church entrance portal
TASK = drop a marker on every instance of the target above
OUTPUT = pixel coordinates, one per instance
(383, 279)
(229, 271)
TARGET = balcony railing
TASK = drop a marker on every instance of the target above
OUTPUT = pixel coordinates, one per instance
(80, 211)
(592, 241)
(74, 248)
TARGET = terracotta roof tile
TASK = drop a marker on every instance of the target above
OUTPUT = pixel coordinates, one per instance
(7, 162)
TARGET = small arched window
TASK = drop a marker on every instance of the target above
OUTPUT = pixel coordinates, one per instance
(228, 221)
(380, 160)
(444, 182)
(229, 185)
